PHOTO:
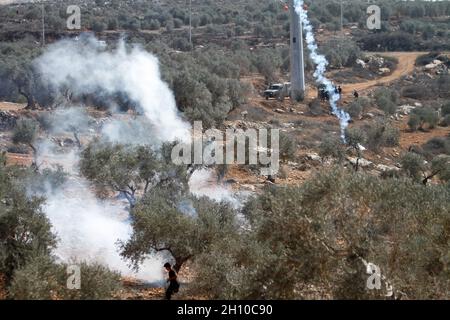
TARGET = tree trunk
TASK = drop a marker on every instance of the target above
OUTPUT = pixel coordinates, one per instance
(31, 103)
(179, 263)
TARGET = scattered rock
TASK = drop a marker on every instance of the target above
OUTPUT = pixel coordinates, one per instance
(361, 63)
(363, 163)
(384, 71)
(406, 109)
(384, 168)
(314, 157)
(281, 111)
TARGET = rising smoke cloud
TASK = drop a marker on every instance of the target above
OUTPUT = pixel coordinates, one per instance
(88, 228)
(321, 67)
(87, 67)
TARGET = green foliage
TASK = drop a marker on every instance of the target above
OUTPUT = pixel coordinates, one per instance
(317, 235)
(421, 117)
(130, 170)
(386, 99)
(446, 109)
(181, 225)
(332, 147)
(341, 52)
(24, 228)
(382, 134)
(355, 137)
(42, 279)
(413, 165)
(288, 147)
(437, 146)
(414, 122)
(25, 132)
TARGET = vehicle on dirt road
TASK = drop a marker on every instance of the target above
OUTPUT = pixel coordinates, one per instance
(278, 91)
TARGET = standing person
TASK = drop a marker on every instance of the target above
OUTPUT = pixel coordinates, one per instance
(340, 90)
(356, 94)
(174, 286)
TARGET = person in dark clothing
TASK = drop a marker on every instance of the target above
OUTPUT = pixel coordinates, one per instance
(174, 286)
(356, 94)
(340, 90)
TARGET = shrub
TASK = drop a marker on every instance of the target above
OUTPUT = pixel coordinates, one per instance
(421, 117)
(417, 92)
(386, 100)
(25, 132)
(295, 241)
(445, 109)
(437, 146)
(43, 279)
(332, 147)
(24, 228)
(287, 147)
(355, 109)
(382, 134)
(413, 165)
(414, 122)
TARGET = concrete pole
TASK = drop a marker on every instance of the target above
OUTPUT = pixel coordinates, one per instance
(297, 59)
(43, 25)
(190, 22)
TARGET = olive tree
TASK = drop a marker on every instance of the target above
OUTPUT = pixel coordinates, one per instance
(131, 170)
(317, 239)
(183, 226)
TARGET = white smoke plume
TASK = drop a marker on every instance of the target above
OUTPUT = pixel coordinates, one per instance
(87, 67)
(88, 228)
(321, 67)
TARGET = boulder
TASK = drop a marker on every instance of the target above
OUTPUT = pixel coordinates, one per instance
(384, 168)
(363, 163)
(314, 157)
(384, 71)
(405, 109)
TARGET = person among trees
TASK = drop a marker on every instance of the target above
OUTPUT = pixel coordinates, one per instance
(174, 286)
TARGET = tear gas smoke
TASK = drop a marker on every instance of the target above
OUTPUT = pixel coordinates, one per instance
(88, 228)
(86, 67)
(321, 67)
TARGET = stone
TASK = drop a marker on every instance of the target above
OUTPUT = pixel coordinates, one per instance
(363, 163)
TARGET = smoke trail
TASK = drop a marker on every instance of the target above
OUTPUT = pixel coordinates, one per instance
(321, 67)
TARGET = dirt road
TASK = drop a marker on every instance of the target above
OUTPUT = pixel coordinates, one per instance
(9, 106)
(406, 65)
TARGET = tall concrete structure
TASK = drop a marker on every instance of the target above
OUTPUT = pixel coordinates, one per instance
(297, 59)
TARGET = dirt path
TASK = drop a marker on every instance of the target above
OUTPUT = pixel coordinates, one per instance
(9, 106)
(406, 65)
